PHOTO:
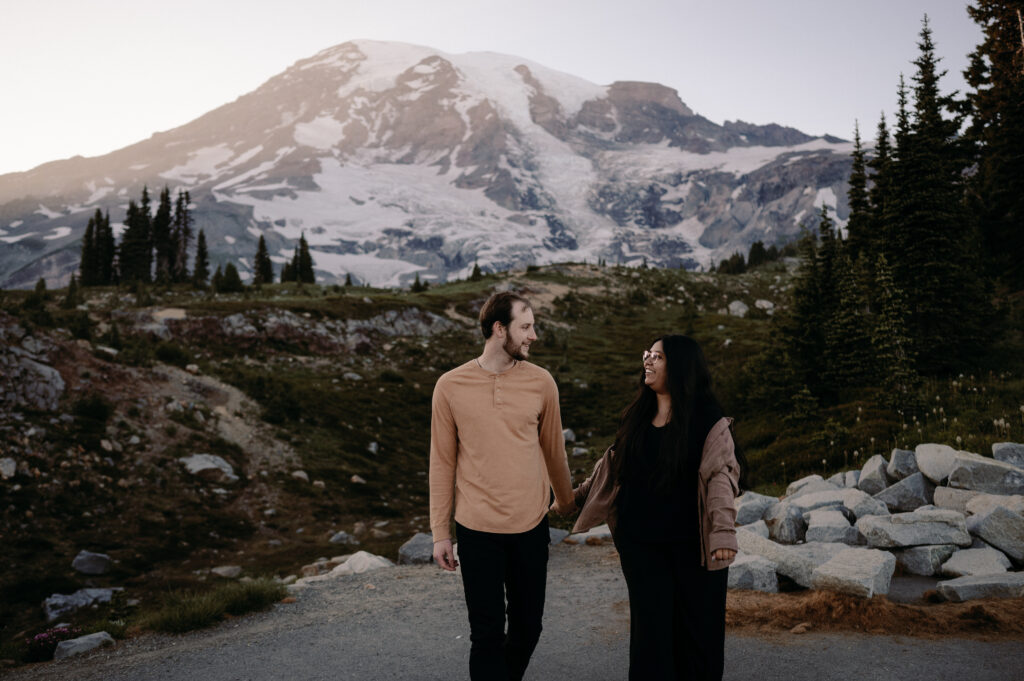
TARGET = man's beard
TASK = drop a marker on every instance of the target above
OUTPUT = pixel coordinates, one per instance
(514, 350)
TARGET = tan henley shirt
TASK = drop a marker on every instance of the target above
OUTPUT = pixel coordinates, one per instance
(496, 448)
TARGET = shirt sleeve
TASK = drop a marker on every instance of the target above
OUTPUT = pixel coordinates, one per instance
(552, 443)
(443, 447)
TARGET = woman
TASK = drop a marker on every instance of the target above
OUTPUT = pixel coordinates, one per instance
(667, 488)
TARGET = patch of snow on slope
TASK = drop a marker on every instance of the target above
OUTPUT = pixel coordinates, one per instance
(201, 164)
(58, 233)
(17, 238)
(47, 212)
(323, 132)
(373, 270)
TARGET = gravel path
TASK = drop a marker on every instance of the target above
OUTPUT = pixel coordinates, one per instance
(410, 623)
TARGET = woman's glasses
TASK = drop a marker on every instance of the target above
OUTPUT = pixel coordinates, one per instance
(652, 356)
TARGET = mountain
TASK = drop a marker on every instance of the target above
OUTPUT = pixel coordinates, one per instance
(397, 160)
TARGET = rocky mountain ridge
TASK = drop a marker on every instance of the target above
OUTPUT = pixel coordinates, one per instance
(397, 160)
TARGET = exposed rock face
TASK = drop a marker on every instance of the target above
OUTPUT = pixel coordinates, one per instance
(26, 378)
(435, 161)
(58, 605)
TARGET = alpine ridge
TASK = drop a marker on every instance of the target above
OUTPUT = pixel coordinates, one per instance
(398, 160)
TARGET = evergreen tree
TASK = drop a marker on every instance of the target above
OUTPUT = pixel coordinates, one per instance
(288, 270)
(106, 250)
(418, 286)
(304, 263)
(231, 282)
(162, 238)
(881, 183)
(136, 251)
(181, 236)
(995, 105)
(848, 357)
(932, 253)
(263, 272)
(217, 281)
(71, 299)
(477, 275)
(758, 255)
(801, 328)
(734, 264)
(201, 271)
(892, 346)
(88, 265)
(348, 279)
(859, 225)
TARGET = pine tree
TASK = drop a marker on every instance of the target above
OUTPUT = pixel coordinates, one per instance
(996, 108)
(418, 286)
(801, 327)
(231, 281)
(201, 271)
(931, 252)
(288, 270)
(106, 250)
(217, 281)
(135, 254)
(71, 297)
(263, 268)
(477, 275)
(162, 238)
(859, 225)
(881, 187)
(848, 357)
(758, 255)
(892, 346)
(181, 236)
(304, 263)
(348, 279)
(87, 265)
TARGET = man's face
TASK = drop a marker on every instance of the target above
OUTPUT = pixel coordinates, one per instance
(520, 332)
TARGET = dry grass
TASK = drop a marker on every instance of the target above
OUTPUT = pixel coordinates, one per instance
(990, 619)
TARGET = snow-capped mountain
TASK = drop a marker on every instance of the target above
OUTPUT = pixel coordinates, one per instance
(396, 159)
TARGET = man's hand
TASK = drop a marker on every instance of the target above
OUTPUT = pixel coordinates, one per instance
(723, 554)
(563, 509)
(444, 555)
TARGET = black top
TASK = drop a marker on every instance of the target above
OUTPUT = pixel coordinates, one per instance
(647, 513)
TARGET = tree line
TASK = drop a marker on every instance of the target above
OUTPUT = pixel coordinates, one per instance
(934, 232)
(154, 248)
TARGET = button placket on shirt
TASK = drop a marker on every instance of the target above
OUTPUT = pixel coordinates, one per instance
(497, 391)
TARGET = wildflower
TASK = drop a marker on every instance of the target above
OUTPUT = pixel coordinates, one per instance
(959, 439)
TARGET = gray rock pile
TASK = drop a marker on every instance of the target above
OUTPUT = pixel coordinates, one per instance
(934, 511)
(26, 378)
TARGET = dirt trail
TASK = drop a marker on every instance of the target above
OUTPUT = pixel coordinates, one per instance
(409, 623)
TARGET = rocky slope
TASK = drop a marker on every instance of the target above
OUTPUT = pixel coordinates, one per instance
(397, 159)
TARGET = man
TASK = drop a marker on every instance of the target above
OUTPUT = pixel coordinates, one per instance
(496, 451)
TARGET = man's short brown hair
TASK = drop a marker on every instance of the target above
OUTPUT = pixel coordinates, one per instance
(498, 308)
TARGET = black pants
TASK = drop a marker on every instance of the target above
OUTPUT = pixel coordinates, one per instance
(496, 567)
(676, 612)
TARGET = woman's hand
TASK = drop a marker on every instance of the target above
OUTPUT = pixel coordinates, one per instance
(723, 554)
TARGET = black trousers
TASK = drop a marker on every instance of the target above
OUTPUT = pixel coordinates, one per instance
(676, 612)
(497, 568)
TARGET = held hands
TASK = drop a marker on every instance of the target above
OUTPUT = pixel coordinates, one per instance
(563, 509)
(723, 554)
(444, 555)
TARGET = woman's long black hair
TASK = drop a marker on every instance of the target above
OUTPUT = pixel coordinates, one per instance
(689, 385)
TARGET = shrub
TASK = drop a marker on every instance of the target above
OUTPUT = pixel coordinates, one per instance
(42, 646)
(172, 353)
(187, 610)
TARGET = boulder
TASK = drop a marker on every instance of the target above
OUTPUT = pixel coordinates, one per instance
(227, 571)
(795, 562)
(860, 572)
(924, 560)
(852, 479)
(822, 499)
(953, 499)
(976, 562)
(557, 535)
(361, 562)
(82, 644)
(738, 308)
(754, 573)
(935, 461)
(862, 504)
(344, 538)
(908, 494)
(786, 523)
(568, 435)
(797, 485)
(983, 503)
(209, 467)
(301, 476)
(827, 525)
(971, 471)
(902, 464)
(751, 506)
(758, 528)
(839, 479)
(8, 467)
(595, 535)
(919, 528)
(91, 563)
(1006, 585)
(1003, 529)
(59, 605)
(1009, 452)
(418, 550)
(873, 478)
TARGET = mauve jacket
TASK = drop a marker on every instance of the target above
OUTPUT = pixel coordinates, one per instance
(717, 488)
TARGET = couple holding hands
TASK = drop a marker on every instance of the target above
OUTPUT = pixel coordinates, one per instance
(666, 488)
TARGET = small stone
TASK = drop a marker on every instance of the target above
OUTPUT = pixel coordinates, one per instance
(91, 563)
(301, 476)
(568, 435)
(557, 535)
(227, 571)
(8, 467)
(319, 484)
(418, 550)
(82, 644)
(358, 480)
(344, 538)
(598, 534)
(192, 368)
(373, 448)
(377, 533)
(209, 467)
(106, 445)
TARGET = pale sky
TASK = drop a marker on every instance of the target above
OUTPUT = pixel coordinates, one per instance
(86, 77)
